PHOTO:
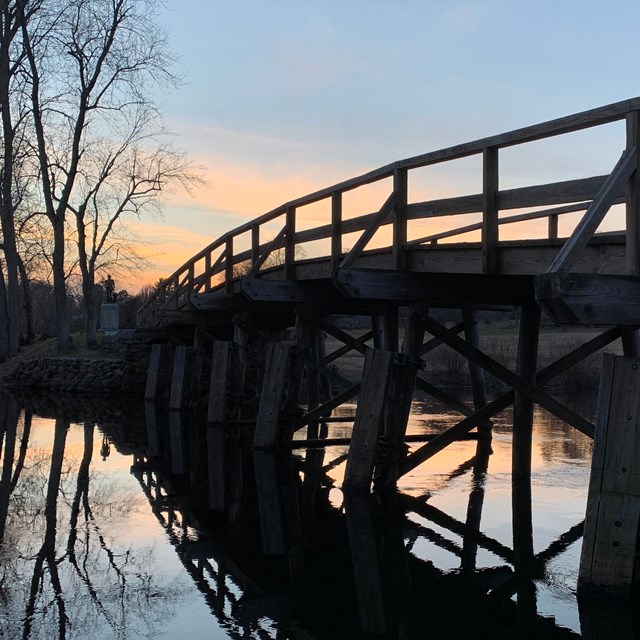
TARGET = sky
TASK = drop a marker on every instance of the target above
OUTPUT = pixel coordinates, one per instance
(283, 97)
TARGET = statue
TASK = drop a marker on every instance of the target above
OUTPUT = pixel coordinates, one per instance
(110, 289)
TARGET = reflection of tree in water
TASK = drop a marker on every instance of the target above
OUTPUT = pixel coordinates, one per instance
(63, 571)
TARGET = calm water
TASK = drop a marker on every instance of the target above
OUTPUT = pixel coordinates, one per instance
(108, 532)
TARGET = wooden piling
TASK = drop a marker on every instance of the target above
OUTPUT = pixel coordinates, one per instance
(610, 546)
(523, 406)
(368, 420)
(271, 401)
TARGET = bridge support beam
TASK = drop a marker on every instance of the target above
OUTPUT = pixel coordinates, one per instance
(608, 564)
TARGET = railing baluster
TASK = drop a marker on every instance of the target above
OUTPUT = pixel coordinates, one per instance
(553, 226)
(228, 264)
(336, 229)
(399, 249)
(632, 251)
(255, 243)
(290, 244)
(489, 209)
(207, 270)
(190, 278)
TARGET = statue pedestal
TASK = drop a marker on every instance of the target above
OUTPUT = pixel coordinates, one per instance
(109, 318)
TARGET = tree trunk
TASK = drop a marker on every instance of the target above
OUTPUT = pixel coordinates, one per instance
(65, 343)
(90, 311)
(6, 194)
(28, 302)
(4, 320)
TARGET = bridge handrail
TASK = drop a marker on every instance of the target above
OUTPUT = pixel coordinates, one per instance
(178, 286)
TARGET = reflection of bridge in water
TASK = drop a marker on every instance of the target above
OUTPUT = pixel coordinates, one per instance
(310, 561)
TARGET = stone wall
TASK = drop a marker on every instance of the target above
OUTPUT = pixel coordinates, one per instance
(122, 370)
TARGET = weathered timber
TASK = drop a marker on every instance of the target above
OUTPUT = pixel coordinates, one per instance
(336, 229)
(151, 388)
(176, 443)
(513, 380)
(398, 406)
(633, 199)
(269, 503)
(364, 556)
(218, 388)
(369, 419)
(580, 298)
(610, 547)
(596, 212)
(178, 377)
(523, 405)
(476, 373)
(399, 220)
(442, 289)
(271, 401)
(489, 209)
(502, 402)
(260, 289)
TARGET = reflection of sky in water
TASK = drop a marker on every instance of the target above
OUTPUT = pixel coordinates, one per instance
(132, 583)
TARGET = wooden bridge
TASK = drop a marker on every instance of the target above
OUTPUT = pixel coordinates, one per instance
(236, 298)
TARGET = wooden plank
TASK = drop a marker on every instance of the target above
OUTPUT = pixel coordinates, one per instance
(489, 210)
(271, 401)
(607, 563)
(579, 298)
(290, 244)
(265, 252)
(176, 443)
(338, 353)
(523, 406)
(178, 377)
(228, 264)
(218, 389)
(513, 380)
(151, 388)
(255, 244)
(366, 569)
(370, 231)
(442, 289)
(633, 199)
(476, 373)
(216, 468)
(368, 421)
(153, 439)
(262, 290)
(269, 503)
(399, 221)
(399, 396)
(336, 229)
(328, 406)
(596, 212)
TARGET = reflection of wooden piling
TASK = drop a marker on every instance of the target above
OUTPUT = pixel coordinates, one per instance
(364, 557)
(153, 441)
(474, 508)
(368, 419)
(269, 503)
(610, 546)
(176, 442)
(476, 372)
(606, 619)
(216, 423)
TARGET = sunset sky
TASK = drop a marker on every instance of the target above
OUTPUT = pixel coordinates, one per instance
(283, 97)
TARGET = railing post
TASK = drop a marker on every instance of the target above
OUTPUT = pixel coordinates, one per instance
(290, 244)
(399, 250)
(228, 264)
(336, 229)
(207, 271)
(632, 250)
(553, 226)
(255, 243)
(190, 278)
(176, 282)
(489, 209)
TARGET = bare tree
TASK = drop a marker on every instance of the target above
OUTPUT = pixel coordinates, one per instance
(91, 65)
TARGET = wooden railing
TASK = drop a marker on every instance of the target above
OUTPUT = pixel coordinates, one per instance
(218, 264)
